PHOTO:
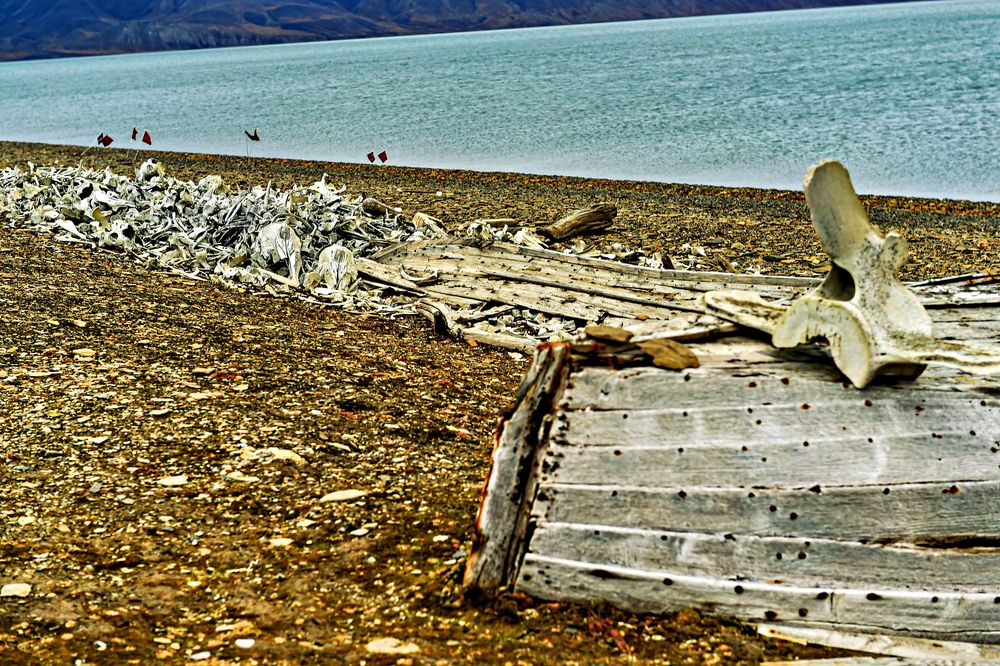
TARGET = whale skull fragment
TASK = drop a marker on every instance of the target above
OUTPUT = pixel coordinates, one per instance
(872, 322)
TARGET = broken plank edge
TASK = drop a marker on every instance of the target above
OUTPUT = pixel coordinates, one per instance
(501, 527)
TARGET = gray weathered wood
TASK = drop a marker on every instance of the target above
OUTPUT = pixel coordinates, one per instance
(738, 372)
(921, 513)
(785, 462)
(925, 418)
(913, 650)
(801, 561)
(953, 615)
(656, 490)
(580, 222)
(503, 516)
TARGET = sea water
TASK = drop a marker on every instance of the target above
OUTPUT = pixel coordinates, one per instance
(906, 95)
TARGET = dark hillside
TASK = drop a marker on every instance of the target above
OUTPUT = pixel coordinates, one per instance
(53, 28)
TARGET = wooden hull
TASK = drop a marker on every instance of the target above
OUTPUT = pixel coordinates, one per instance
(759, 485)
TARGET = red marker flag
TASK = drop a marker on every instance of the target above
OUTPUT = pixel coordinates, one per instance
(146, 139)
(100, 138)
(254, 136)
(384, 156)
(107, 140)
(135, 133)
(371, 157)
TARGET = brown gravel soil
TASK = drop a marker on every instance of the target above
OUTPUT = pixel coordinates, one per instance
(175, 456)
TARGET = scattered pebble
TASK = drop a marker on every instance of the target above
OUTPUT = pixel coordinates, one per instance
(237, 475)
(245, 643)
(343, 495)
(285, 454)
(392, 646)
(179, 480)
(15, 590)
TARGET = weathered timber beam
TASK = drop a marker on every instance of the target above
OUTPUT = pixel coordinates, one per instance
(579, 222)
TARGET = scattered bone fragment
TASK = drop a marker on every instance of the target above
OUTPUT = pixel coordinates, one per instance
(336, 270)
(314, 243)
(873, 323)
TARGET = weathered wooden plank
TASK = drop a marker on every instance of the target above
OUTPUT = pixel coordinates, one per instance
(755, 379)
(938, 513)
(685, 291)
(462, 250)
(913, 650)
(813, 420)
(504, 513)
(787, 462)
(501, 340)
(875, 661)
(506, 249)
(808, 562)
(595, 292)
(680, 286)
(612, 273)
(532, 299)
(552, 299)
(954, 615)
(458, 256)
(981, 331)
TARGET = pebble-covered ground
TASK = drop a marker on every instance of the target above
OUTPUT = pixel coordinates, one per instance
(699, 227)
(190, 473)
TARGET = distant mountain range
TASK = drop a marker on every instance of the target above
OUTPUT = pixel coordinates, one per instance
(55, 28)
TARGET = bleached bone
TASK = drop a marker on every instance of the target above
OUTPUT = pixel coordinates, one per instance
(873, 323)
(336, 269)
(276, 243)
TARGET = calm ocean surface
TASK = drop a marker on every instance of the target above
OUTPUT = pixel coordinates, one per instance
(907, 96)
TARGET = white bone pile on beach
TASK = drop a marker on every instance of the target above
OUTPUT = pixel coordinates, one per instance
(302, 242)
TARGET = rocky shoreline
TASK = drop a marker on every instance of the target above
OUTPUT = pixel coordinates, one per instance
(698, 227)
(197, 473)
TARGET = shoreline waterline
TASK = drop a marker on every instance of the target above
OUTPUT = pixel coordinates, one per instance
(736, 229)
(901, 94)
(120, 155)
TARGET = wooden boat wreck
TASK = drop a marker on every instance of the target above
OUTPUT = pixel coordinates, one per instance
(849, 484)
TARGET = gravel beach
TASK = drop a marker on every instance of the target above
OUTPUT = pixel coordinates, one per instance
(195, 473)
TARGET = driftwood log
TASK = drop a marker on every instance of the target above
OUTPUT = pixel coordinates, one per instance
(580, 222)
